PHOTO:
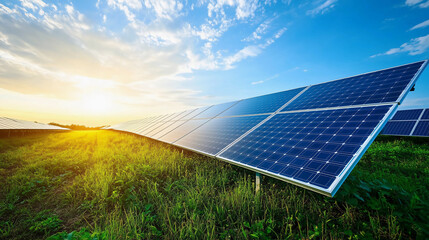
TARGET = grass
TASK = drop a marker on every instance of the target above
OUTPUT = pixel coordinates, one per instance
(111, 185)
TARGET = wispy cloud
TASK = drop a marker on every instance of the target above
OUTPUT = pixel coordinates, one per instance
(56, 52)
(419, 3)
(260, 30)
(251, 51)
(322, 8)
(421, 25)
(265, 80)
(257, 82)
(414, 47)
(415, 103)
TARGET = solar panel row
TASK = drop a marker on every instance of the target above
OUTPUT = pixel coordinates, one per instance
(413, 122)
(311, 136)
(16, 124)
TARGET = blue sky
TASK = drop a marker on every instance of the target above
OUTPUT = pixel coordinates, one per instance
(103, 62)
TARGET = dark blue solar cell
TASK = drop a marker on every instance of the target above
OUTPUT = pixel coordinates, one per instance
(215, 110)
(332, 169)
(305, 175)
(218, 133)
(281, 141)
(412, 114)
(262, 104)
(402, 128)
(426, 114)
(322, 180)
(376, 87)
(422, 129)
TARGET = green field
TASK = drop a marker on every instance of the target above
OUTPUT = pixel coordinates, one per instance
(111, 185)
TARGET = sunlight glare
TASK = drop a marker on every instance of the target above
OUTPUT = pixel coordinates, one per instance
(96, 103)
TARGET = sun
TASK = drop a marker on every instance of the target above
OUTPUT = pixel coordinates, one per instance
(96, 103)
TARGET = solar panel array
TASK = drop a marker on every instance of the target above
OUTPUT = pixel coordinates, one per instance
(311, 136)
(413, 122)
(16, 124)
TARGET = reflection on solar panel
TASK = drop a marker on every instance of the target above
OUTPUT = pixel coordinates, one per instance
(16, 124)
(414, 122)
(218, 133)
(263, 104)
(311, 136)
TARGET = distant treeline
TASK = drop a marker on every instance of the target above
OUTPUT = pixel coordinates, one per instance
(76, 127)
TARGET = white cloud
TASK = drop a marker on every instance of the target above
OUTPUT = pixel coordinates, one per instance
(265, 80)
(243, 8)
(323, 8)
(260, 30)
(424, 5)
(414, 47)
(167, 9)
(125, 6)
(412, 2)
(251, 51)
(133, 4)
(143, 64)
(6, 10)
(33, 4)
(211, 32)
(419, 3)
(69, 9)
(257, 82)
(421, 25)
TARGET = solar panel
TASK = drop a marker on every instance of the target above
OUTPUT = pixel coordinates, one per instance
(182, 130)
(426, 114)
(412, 122)
(311, 136)
(422, 129)
(215, 110)
(412, 114)
(195, 113)
(262, 104)
(168, 129)
(376, 87)
(312, 147)
(16, 124)
(217, 133)
(401, 128)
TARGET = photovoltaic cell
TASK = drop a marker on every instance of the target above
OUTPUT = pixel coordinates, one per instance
(182, 130)
(426, 114)
(195, 113)
(399, 127)
(422, 129)
(218, 133)
(412, 122)
(262, 104)
(376, 87)
(412, 114)
(215, 110)
(312, 147)
(168, 129)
